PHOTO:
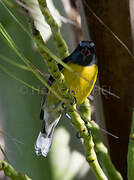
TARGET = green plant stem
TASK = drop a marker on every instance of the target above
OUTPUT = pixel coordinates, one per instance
(60, 42)
(21, 81)
(26, 61)
(102, 153)
(21, 66)
(4, 154)
(88, 144)
(53, 68)
(11, 172)
(48, 55)
(100, 148)
(130, 156)
(34, 31)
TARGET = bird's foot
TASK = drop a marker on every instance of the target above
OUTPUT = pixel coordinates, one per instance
(78, 135)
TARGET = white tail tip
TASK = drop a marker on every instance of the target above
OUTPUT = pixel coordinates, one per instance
(42, 145)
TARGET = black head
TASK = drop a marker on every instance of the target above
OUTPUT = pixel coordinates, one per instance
(84, 54)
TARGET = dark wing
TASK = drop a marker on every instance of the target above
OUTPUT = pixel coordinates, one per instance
(42, 103)
(50, 82)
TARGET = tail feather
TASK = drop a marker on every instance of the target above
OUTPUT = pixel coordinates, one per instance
(44, 139)
(43, 144)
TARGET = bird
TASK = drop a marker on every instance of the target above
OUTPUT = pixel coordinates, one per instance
(83, 61)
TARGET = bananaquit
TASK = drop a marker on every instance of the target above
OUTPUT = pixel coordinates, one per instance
(83, 61)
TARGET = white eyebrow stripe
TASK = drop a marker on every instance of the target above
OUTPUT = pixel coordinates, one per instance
(80, 43)
(92, 44)
(88, 44)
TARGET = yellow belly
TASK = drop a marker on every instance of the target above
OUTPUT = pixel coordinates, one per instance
(81, 87)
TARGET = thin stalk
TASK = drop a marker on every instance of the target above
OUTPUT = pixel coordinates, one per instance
(3, 152)
(60, 42)
(21, 66)
(11, 172)
(100, 148)
(21, 81)
(88, 144)
(130, 156)
(26, 61)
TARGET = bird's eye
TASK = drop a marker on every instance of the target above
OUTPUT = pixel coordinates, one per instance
(88, 52)
(82, 51)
